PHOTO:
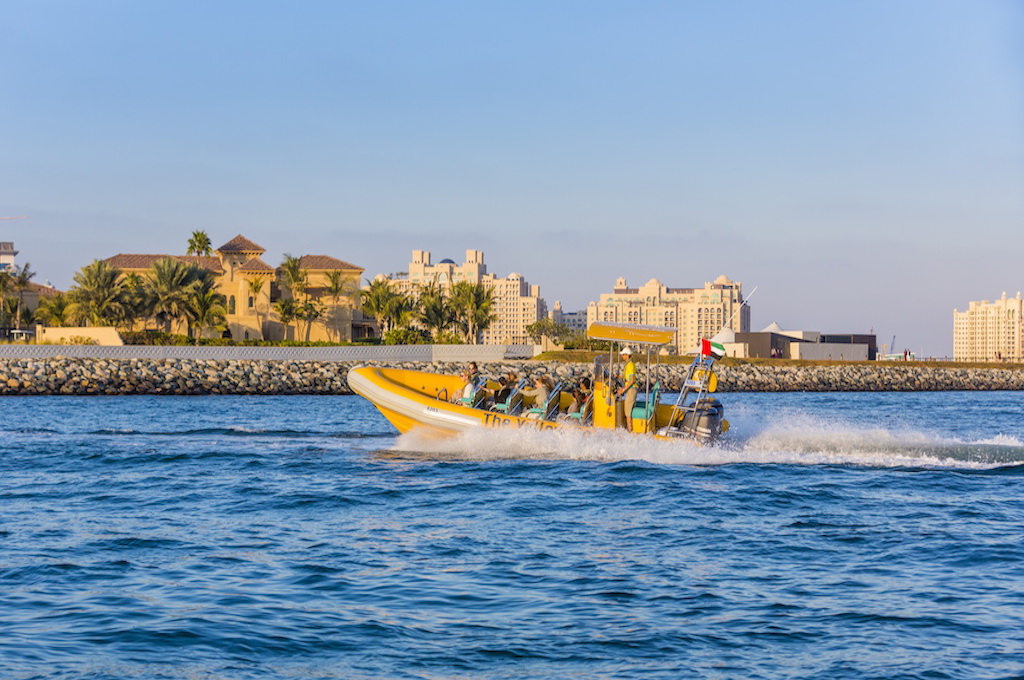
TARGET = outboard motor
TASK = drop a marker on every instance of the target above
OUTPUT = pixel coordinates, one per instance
(703, 421)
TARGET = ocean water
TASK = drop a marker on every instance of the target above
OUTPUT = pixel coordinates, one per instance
(831, 536)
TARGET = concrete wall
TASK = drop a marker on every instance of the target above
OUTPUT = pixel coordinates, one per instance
(100, 335)
(824, 351)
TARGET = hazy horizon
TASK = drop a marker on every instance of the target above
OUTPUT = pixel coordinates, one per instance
(862, 165)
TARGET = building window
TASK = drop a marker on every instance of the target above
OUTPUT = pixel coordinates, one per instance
(231, 305)
(252, 302)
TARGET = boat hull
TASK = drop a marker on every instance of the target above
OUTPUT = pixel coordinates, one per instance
(421, 402)
(415, 400)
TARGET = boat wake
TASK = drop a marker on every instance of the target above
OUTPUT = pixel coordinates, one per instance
(801, 441)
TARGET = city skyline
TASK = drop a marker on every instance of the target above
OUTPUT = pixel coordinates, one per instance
(863, 166)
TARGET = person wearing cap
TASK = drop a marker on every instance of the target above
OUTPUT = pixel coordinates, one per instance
(628, 389)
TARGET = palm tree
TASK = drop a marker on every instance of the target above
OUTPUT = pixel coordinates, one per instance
(286, 310)
(473, 303)
(5, 287)
(134, 298)
(309, 311)
(338, 286)
(170, 284)
(22, 277)
(97, 297)
(295, 279)
(206, 308)
(375, 301)
(435, 313)
(255, 288)
(53, 310)
(199, 244)
(401, 311)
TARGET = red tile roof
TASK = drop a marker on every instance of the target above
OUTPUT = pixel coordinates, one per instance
(241, 244)
(145, 261)
(255, 264)
(325, 263)
(42, 290)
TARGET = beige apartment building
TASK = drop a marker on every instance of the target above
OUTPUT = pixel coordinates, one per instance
(250, 286)
(517, 304)
(990, 331)
(696, 312)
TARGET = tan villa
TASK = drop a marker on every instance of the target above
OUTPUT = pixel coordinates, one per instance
(250, 286)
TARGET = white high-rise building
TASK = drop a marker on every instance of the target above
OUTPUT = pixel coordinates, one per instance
(696, 312)
(990, 331)
(517, 304)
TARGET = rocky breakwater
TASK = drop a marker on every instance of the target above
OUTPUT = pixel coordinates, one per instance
(63, 375)
(73, 376)
(881, 377)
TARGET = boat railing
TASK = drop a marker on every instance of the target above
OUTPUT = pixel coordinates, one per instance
(694, 391)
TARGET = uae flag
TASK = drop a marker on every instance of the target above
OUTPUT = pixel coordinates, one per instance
(708, 348)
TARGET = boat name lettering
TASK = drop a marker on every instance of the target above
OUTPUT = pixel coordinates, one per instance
(494, 420)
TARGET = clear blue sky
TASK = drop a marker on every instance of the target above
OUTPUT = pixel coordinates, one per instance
(862, 163)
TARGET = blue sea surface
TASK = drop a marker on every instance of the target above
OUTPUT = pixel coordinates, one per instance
(832, 535)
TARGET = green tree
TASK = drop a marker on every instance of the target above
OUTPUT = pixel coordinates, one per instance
(377, 300)
(170, 285)
(435, 313)
(473, 304)
(559, 333)
(295, 279)
(286, 310)
(53, 310)
(294, 276)
(134, 299)
(255, 290)
(199, 244)
(21, 279)
(97, 296)
(338, 286)
(207, 307)
(5, 289)
(308, 312)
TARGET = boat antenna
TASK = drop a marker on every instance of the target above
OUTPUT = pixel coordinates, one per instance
(738, 309)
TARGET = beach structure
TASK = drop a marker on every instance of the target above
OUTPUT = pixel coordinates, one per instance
(251, 287)
(990, 331)
(517, 304)
(695, 312)
(7, 255)
(774, 342)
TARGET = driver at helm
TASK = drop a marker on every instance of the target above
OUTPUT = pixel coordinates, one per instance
(628, 389)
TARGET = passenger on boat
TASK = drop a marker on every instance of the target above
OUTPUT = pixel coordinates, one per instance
(539, 393)
(628, 389)
(504, 390)
(469, 376)
(580, 393)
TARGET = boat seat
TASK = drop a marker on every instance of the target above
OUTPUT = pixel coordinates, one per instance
(550, 408)
(586, 413)
(514, 403)
(645, 410)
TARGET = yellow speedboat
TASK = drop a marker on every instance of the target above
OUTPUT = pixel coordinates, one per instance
(442, 405)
